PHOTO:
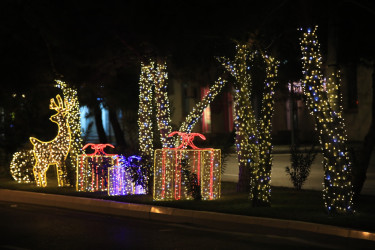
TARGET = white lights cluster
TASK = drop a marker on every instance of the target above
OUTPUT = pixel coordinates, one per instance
(74, 119)
(145, 133)
(21, 166)
(160, 77)
(54, 152)
(253, 137)
(324, 103)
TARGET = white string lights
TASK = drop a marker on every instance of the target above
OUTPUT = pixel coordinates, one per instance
(54, 152)
(145, 134)
(325, 105)
(253, 137)
(22, 164)
(194, 116)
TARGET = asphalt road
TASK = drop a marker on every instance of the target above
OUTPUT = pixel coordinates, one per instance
(37, 227)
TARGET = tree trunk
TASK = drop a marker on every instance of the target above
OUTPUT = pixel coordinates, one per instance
(99, 123)
(119, 135)
(360, 169)
(243, 184)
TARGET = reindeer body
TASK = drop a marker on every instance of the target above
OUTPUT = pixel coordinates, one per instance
(53, 152)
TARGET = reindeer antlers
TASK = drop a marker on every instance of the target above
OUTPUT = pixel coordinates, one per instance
(60, 107)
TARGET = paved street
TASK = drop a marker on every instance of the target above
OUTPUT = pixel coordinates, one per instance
(280, 178)
(37, 227)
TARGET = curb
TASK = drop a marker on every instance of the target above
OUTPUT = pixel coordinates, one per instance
(175, 215)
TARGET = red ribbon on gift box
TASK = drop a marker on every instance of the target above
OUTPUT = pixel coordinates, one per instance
(187, 139)
(98, 148)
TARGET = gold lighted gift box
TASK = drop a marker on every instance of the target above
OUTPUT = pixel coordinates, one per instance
(176, 168)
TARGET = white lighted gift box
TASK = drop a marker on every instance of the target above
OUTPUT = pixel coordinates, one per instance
(92, 168)
(185, 174)
(120, 180)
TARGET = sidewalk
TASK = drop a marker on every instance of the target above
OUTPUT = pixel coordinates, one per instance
(281, 159)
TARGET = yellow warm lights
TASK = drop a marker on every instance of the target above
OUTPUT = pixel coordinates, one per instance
(74, 119)
(145, 133)
(170, 183)
(54, 152)
(253, 137)
(21, 166)
(23, 162)
(325, 104)
(194, 116)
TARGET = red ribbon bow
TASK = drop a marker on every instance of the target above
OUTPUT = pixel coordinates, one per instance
(187, 139)
(98, 148)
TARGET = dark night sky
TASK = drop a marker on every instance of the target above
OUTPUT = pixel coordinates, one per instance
(98, 46)
(88, 41)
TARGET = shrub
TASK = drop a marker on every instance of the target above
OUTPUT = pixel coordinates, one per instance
(301, 165)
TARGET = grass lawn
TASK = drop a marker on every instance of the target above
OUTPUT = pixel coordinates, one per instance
(287, 203)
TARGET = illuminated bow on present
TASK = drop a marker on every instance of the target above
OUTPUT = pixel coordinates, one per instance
(98, 148)
(187, 139)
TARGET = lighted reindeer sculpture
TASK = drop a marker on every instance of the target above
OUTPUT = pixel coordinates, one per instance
(54, 152)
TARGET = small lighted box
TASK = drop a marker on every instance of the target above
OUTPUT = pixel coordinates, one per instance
(92, 168)
(174, 168)
(120, 181)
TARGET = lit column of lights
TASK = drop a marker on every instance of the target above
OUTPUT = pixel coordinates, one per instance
(145, 133)
(162, 104)
(194, 116)
(253, 138)
(265, 128)
(54, 152)
(21, 166)
(74, 119)
(246, 140)
(337, 192)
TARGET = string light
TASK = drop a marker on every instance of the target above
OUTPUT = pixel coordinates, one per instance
(325, 104)
(21, 166)
(253, 137)
(74, 120)
(160, 77)
(54, 152)
(120, 179)
(22, 163)
(92, 168)
(154, 75)
(169, 180)
(194, 116)
(145, 111)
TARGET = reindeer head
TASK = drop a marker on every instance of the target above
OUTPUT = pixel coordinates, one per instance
(62, 110)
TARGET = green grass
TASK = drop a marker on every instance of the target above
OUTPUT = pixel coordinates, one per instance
(287, 203)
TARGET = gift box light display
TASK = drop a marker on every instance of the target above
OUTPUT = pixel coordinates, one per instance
(92, 168)
(120, 181)
(176, 168)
